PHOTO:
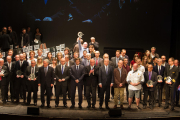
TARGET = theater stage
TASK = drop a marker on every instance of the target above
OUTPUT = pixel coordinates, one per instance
(14, 111)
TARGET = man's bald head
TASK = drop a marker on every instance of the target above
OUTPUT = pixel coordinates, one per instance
(135, 66)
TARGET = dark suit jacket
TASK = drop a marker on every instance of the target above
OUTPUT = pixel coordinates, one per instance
(91, 79)
(106, 79)
(155, 69)
(28, 72)
(102, 63)
(95, 44)
(118, 79)
(99, 60)
(5, 41)
(153, 78)
(59, 75)
(77, 74)
(4, 78)
(22, 68)
(11, 72)
(25, 39)
(173, 73)
(48, 79)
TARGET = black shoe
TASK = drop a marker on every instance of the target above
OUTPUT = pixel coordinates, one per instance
(12, 100)
(42, 105)
(151, 107)
(107, 107)
(166, 107)
(88, 106)
(159, 105)
(80, 106)
(17, 101)
(172, 108)
(48, 106)
(35, 104)
(65, 105)
(27, 103)
(56, 105)
(100, 107)
(129, 107)
(138, 108)
(144, 107)
(24, 101)
(93, 106)
(72, 106)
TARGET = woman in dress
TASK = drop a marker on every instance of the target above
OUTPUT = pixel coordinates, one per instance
(91, 50)
(134, 60)
(49, 57)
(147, 54)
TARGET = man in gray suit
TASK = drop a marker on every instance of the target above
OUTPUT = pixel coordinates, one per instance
(86, 62)
(105, 82)
(62, 77)
(97, 58)
(116, 59)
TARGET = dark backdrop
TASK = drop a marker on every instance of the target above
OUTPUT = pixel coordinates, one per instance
(141, 24)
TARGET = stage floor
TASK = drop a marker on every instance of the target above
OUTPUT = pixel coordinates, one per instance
(85, 113)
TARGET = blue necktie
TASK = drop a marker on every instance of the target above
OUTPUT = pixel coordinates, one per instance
(106, 70)
(62, 70)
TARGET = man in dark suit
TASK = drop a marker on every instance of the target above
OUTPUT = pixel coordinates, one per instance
(69, 63)
(3, 80)
(77, 73)
(75, 56)
(46, 81)
(13, 37)
(94, 43)
(176, 63)
(106, 56)
(105, 82)
(10, 78)
(159, 69)
(62, 77)
(32, 83)
(173, 72)
(116, 59)
(21, 66)
(24, 39)
(91, 79)
(149, 89)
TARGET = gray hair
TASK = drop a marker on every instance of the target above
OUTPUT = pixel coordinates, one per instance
(46, 60)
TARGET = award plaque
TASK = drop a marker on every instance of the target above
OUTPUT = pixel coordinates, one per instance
(150, 82)
(2, 71)
(32, 76)
(168, 79)
(159, 77)
(19, 72)
(80, 34)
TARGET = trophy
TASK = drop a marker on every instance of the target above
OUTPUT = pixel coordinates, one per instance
(80, 34)
(2, 71)
(159, 77)
(150, 82)
(32, 76)
(168, 79)
(18, 72)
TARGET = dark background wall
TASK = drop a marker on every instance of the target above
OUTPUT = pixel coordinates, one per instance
(141, 24)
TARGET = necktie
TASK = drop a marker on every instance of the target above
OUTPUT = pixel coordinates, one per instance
(33, 70)
(159, 70)
(117, 61)
(66, 63)
(21, 63)
(9, 66)
(149, 75)
(62, 69)
(96, 62)
(45, 70)
(106, 70)
(77, 68)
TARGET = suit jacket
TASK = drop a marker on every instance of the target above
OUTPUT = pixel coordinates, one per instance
(155, 69)
(173, 73)
(25, 39)
(91, 79)
(153, 78)
(118, 79)
(22, 68)
(99, 60)
(48, 79)
(4, 78)
(102, 63)
(28, 71)
(11, 71)
(85, 62)
(113, 59)
(73, 60)
(106, 79)
(59, 75)
(95, 44)
(77, 74)
(5, 41)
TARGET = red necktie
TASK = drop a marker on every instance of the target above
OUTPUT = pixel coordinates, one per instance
(96, 62)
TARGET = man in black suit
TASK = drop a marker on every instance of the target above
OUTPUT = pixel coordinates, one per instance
(62, 77)
(21, 66)
(94, 43)
(173, 72)
(149, 89)
(24, 39)
(75, 56)
(91, 82)
(105, 82)
(3, 80)
(32, 83)
(69, 63)
(159, 69)
(77, 73)
(46, 81)
(10, 78)
(13, 37)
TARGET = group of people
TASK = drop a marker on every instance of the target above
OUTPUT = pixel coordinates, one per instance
(88, 72)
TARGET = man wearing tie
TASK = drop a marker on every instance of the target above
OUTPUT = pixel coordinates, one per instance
(62, 77)
(46, 81)
(97, 58)
(10, 78)
(91, 82)
(159, 69)
(32, 83)
(86, 62)
(77, 73)
(105, 82)
(3, 80)
(149, 89)
(173, 72)
(21, 66)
